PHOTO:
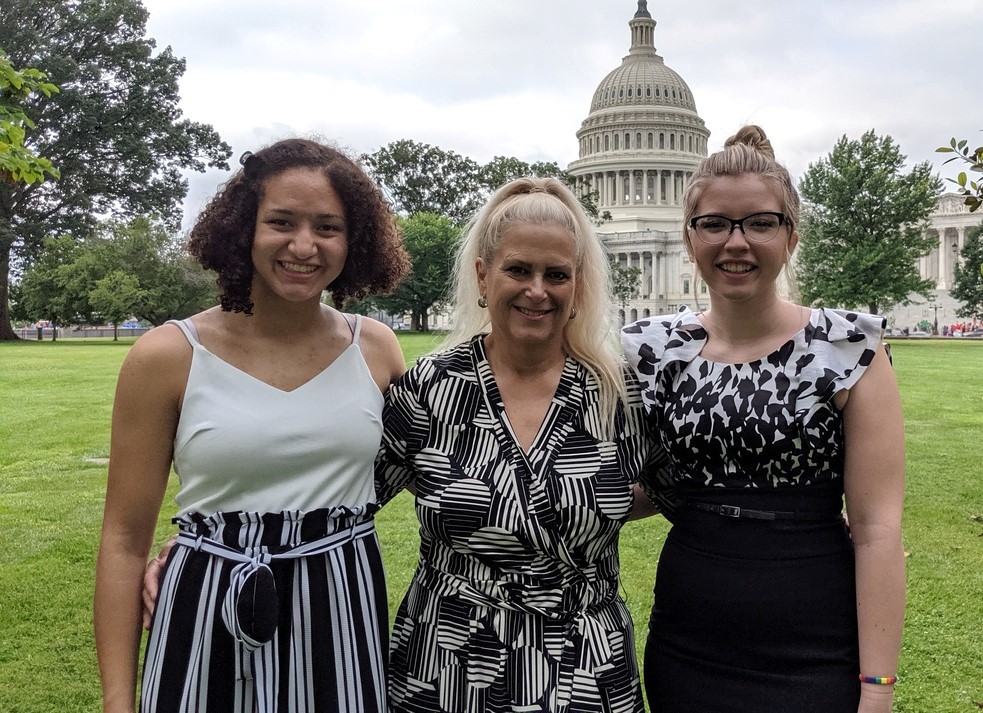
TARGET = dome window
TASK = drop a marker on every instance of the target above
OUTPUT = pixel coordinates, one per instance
(638, 140)
(607, 143)
(691, 144)
(673, 93)
(616, 138)
(621, 93)
(650, 140)
(658, 92)
(662, 141)
(672, 142)
(648, 91)
(627, 140)
(629, 92)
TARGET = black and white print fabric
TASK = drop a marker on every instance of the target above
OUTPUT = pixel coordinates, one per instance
(330, 610)
(514, 605)
(766, 423)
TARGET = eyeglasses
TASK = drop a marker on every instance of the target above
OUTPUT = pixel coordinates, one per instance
(758, 228)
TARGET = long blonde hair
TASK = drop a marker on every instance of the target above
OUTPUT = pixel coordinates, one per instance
(589, 337)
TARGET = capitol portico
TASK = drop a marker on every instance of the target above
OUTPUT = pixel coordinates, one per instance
(639, 145)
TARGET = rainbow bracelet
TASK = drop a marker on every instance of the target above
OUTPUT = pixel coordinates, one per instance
(881, 680)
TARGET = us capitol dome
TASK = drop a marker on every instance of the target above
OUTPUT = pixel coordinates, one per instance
(639, 145)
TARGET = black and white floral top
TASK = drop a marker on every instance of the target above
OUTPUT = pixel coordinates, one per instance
(767, 423)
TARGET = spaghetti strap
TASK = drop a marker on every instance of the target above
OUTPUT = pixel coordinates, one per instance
(188, 327)
(358, 329)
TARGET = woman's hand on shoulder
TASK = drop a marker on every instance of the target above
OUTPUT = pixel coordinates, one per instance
(382, 352)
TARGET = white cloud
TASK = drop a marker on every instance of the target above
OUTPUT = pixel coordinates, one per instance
(516, 78)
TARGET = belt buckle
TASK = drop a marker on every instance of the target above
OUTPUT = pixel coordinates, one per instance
(730, 511)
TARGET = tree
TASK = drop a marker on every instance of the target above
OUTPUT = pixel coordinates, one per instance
(420, 178)
(863, 226)
(53, 289)
(430, 240)
(114, 296)
(968, 275)
(115, 130)
(972, 190)
(625, 282)
(172, 285)
(161, 282)
(18, 164)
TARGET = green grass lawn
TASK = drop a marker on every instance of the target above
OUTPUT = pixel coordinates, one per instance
(55, 403)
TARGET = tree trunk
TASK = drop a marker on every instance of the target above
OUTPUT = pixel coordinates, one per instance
(872, 308)
(115, 332)
(7, 333)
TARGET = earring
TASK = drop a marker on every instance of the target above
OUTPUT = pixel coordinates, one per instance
(482, 302)
(573, 313)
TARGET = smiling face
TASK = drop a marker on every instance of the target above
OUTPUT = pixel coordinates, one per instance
(530, 285)
(738, 269)
(301, 242)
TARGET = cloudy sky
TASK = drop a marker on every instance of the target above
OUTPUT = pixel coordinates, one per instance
(515, 77)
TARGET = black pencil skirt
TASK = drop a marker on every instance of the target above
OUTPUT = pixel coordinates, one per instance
(755, 615)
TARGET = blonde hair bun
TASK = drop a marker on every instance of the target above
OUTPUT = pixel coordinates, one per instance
(754, 137)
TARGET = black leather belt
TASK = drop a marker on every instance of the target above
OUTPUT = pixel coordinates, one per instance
(738, 512)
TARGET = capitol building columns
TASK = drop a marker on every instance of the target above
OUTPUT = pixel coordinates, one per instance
(639, 145)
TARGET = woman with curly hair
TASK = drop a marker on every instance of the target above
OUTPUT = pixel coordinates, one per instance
(269, 409)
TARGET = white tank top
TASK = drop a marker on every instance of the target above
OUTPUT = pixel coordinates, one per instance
(242, 444)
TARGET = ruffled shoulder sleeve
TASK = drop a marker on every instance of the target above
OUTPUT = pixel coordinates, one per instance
(657, 347)
(841, 345)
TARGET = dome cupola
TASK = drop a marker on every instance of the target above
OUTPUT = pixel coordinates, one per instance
(642, 138)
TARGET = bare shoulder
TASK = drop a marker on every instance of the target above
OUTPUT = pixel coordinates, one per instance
(160, 357)
(381, 349)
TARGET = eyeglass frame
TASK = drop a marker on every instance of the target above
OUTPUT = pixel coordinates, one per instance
(739, 223)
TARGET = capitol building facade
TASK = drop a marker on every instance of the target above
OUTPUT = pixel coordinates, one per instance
(638, 146)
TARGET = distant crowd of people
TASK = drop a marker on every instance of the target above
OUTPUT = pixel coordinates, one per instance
(959, 329)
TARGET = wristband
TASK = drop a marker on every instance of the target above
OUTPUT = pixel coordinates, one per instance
(880, 680)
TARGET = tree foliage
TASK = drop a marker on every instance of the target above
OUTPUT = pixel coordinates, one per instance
(863, 226)
(113, 298)
(430, 240)
(123, 270)
(18, 164)
(115, 130)
(970, 189)
(968, 275)
(420, 178)
(625, 282)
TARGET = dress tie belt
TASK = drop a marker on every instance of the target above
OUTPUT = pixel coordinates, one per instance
(250, 607)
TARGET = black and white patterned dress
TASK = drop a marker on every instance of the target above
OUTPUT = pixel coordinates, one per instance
(752, 614)
(514, 605)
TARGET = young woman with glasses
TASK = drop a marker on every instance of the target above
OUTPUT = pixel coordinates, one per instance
(770, 413)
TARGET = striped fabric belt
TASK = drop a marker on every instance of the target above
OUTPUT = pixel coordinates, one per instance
(251, 605)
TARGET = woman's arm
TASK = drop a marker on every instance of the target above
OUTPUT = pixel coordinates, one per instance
(874, 484)
(145, 414)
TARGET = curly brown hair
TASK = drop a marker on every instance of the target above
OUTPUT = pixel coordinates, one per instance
(222, 237)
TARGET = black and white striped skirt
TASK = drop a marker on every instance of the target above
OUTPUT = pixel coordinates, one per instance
(329, 609)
